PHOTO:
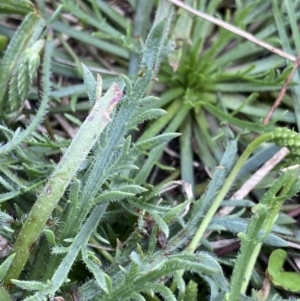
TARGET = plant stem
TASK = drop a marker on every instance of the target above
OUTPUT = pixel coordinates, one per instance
(222, 193)
(264, 218)
(250, 244)
(63, 174)
(267, 227)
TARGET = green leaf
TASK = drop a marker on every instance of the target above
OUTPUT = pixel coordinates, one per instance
(19, 136)
(155, 141)
(135, 258)
(237, 225)
(23, 76)
(50, 237)
(20, 7)
(112, 196)
(133, 272)
(60, 250)
(128, 83)
(30, 285)
(5, 266)
(12, 194)
(290, 281)
(5, 218)
(202, 205)
(161, 223)
(180, 284)
(147, 115)
(26, 35)
(154, 47)
(191, 291)
(148, 100)
(244, 125)
(138, 297)
(4, 295)
(97, 272)
(164, 291)
(90, 84)
(132, 188)
(108, 282)
(175, 212)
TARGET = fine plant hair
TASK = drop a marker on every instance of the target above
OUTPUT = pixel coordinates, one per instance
(97, 229)
(99, 183)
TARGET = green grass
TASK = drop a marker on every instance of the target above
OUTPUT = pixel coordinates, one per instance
(148, 182)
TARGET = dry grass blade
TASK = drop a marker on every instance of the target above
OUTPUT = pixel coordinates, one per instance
(235, 30)
(283, 90)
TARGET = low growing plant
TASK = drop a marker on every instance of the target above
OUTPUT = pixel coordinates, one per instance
(85, 223)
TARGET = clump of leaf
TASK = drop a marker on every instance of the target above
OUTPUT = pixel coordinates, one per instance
(214, 77)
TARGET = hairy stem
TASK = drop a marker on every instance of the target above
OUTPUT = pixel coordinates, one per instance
(62, 176)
